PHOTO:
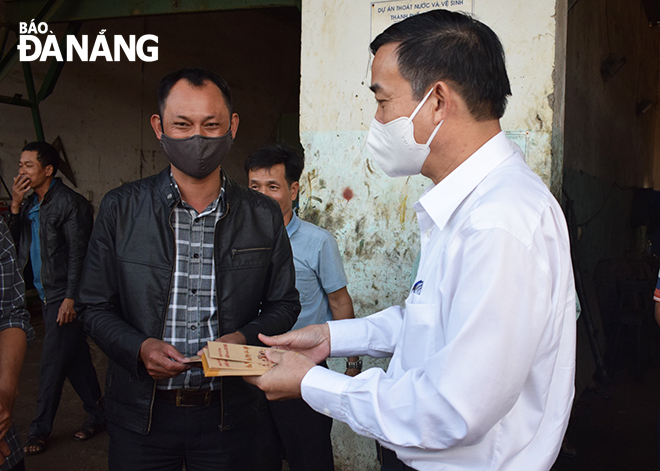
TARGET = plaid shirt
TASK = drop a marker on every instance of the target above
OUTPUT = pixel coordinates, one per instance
(192, 316)
(12, 314)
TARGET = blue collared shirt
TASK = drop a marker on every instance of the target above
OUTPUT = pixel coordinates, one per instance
(319, 270)
(35, 246)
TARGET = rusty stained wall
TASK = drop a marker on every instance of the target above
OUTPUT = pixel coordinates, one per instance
(342, 190)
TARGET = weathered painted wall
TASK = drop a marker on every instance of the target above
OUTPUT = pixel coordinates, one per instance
(343, 191)
(101, 109)
(610, 146)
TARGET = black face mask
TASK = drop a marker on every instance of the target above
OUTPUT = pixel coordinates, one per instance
(197, 156)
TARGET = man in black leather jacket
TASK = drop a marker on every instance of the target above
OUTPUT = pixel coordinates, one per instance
(52, 228)
(175, 260)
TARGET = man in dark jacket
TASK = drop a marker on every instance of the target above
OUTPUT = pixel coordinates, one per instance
(175, 260)
(52, 228)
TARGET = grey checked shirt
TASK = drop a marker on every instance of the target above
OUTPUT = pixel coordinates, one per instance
(12, 314)
(192, 316)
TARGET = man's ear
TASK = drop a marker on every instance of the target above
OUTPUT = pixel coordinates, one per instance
(156, 125)
(49, 170)
(295, 186)
(234, 125)
(443, 96)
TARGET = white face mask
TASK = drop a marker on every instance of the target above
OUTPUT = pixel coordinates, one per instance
(393, 145)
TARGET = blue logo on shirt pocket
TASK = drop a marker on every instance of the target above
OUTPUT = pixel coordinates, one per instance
(417, 287)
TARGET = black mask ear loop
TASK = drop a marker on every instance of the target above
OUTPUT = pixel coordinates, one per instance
(161, 123)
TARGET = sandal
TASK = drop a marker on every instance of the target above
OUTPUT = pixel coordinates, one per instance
(88, 430)
(34, 446)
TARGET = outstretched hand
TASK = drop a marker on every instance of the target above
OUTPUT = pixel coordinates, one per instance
(312, 341)
(283, 380)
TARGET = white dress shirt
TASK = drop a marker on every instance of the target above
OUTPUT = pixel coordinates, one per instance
(483, 353)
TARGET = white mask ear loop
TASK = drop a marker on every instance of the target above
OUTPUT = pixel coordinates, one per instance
(437, 128)
(421, 103)
(419, 107)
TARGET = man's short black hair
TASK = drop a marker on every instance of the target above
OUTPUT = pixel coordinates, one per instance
(195, 76)
(274, 154)
(46, 154)
(441, 45)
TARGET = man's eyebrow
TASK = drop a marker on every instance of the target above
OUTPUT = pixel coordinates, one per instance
(267, 182)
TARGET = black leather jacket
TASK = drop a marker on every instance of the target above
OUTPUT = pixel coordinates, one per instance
(65, 223)
(127, 279)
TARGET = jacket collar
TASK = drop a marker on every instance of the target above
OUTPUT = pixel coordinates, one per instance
(54, 185)
(171, 197)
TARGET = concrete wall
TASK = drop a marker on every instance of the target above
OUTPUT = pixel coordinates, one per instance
(610, 148)
(101, 109)
(343, 191)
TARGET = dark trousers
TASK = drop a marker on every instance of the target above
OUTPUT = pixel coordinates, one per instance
(65, 354)
(304, 435)
(181, 436)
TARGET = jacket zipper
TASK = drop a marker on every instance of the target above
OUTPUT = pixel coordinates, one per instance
(222, 396)
(235, 252)
(41, 267)
(162, 333)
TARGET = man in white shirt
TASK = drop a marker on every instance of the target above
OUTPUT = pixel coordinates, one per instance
(483, 352)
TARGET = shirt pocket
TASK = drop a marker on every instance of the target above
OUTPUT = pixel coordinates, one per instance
(419, 334)
(249, 257)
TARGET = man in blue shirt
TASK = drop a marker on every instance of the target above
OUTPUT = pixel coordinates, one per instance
(274, 171)
(52, 228)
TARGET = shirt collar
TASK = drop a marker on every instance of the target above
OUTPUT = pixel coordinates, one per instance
(210, 208)
(293, 225)
(441, 200)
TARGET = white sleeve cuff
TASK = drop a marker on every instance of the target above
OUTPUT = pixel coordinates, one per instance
(321, 388)
(345, 335)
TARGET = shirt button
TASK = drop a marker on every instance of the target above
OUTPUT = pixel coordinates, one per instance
(193, 291)
(193, 327)
(196, 255)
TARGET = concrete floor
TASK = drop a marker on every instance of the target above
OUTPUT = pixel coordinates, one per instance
(613, 429)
